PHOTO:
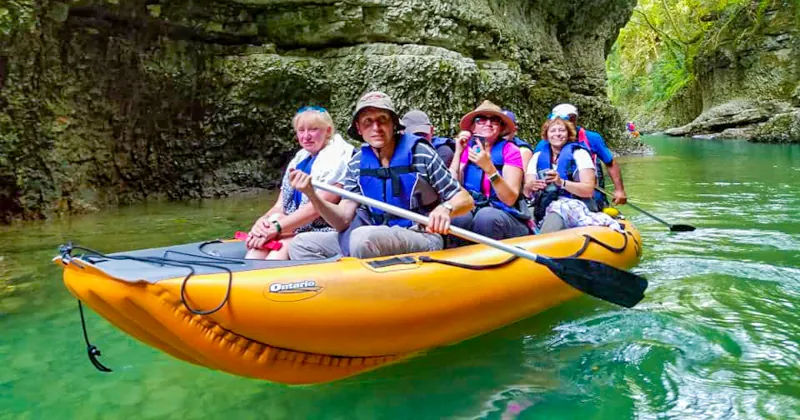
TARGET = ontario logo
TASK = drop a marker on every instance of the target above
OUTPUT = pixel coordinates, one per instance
(293, 291)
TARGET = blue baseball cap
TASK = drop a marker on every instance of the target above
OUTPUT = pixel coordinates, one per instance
(511, 115)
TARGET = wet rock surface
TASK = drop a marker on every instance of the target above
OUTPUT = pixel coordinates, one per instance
(748, 79)
(106, 103)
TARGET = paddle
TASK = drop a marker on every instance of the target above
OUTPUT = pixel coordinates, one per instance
(672, 228)
(591, 277)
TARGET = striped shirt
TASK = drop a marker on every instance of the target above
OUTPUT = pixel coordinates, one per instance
(426, 163)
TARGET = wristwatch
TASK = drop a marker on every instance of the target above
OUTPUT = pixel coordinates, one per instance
(448, 206)
(494, 177)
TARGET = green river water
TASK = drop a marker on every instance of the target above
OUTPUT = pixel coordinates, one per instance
(718, 335)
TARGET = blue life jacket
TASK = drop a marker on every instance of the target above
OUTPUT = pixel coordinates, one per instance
(473, 181)
(443, 141)
(599, 198)
(582, 137)
(394, 184)
(304, 166)
(522, 143)
(567, 170)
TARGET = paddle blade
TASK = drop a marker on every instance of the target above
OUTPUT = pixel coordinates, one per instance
(681, 228)
(599, 280)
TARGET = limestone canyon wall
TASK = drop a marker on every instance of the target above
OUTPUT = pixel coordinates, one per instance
(113, 102)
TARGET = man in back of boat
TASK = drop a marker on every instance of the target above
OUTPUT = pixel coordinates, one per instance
(525, 148)
(417, 122)
(598, 150)
(401, 169)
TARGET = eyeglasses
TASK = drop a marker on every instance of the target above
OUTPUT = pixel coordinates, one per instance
(311, 108)
(484, 120)
(555, 116)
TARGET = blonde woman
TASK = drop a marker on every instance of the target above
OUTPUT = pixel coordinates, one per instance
(324, 156)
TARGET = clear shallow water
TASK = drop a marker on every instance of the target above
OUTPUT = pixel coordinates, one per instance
(718, 335)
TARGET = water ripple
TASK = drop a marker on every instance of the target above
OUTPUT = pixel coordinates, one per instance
(684, 266)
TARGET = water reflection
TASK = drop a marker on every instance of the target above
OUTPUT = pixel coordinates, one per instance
(718, 335)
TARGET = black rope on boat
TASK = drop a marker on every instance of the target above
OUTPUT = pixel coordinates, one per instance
(427, 259)
(588, 239)
(206, 243)
(91, 351)
(164, 261)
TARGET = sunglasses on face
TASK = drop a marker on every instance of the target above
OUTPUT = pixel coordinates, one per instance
(312, 108)
(557, 116)
(484, 120)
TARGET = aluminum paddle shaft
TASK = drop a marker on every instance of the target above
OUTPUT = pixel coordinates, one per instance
(423, 220)
(591, 277)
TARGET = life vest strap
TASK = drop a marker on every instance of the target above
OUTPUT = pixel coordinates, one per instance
(392, 173)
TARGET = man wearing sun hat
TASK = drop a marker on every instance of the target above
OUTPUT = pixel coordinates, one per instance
(491, 170)
(398, 168)
(417, 122)
(599, 151)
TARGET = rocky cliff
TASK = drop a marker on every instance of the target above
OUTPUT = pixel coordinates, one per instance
(747, 81)
(107, 102)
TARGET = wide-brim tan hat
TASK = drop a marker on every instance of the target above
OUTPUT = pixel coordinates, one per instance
(488, 108)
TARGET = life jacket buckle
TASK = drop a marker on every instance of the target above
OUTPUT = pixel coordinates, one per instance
(384, 173)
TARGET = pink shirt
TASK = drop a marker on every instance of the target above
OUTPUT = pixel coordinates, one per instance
(511, 157)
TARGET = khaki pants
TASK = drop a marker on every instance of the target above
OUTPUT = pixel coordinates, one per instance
(365, 242)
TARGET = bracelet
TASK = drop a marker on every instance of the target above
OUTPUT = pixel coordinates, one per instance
(563, 184)
(277, 225)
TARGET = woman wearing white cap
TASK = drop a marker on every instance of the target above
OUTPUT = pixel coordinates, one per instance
(561, 179)
(599, 152)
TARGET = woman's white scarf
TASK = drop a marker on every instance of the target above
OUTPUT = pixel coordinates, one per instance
(329, 167)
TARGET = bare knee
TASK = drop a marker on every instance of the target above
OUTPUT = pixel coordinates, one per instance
(280, 254)
(256, 254)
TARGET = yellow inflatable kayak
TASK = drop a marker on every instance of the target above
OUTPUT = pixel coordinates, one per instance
(304, 322)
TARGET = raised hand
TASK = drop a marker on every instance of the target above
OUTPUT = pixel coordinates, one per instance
(480, 156)
(301, 181)
(462, 139)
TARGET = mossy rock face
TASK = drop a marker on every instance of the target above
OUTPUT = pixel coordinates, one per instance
(782, 128)
(107, 102)
(753, 56)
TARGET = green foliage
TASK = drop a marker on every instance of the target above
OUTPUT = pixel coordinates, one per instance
(16, 16)
(653, 58)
